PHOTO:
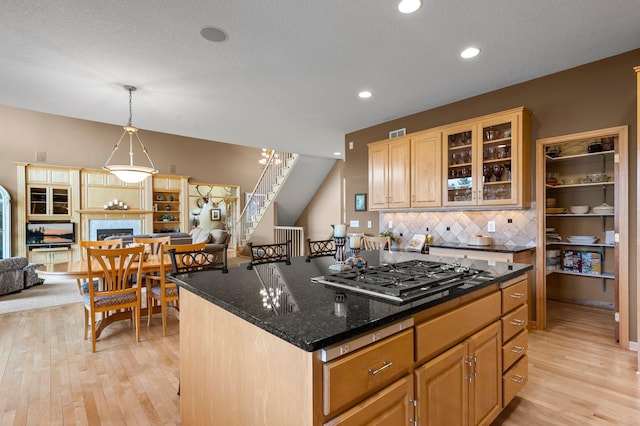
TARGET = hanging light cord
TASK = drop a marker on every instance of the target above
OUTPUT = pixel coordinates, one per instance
(131, 130)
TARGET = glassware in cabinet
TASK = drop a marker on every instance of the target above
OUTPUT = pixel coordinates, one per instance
(460, 171)
(498, 152)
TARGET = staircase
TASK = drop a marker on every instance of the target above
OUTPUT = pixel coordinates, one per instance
(276, 168)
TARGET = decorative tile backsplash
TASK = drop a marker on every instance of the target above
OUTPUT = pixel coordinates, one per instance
(513, 227)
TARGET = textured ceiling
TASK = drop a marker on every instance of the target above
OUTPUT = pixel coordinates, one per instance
(290, 71)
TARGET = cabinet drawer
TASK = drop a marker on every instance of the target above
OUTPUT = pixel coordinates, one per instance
(441, 333)
(348, 379)
(391, 404)
(514, 322)
(514, 379)
(514, 349)
(514, 296)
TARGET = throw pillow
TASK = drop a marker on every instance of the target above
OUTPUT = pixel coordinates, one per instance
(219, 236)
(199, 235)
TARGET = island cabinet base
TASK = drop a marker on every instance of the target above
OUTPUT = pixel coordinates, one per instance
(234, 373)
(465, 358)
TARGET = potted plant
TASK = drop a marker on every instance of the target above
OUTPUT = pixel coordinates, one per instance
(387, 233)
(166, 217)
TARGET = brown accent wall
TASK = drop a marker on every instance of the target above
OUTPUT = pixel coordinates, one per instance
(593, 96)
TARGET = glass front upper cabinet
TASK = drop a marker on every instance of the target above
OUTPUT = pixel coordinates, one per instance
(484, 163)
(49, 201)
(461, 175)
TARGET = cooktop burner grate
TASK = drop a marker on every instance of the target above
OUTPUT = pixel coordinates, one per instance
(401, 278)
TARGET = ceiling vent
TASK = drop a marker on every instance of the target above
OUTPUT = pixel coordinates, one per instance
(397, 133)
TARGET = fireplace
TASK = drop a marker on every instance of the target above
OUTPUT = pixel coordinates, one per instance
(102, 234)
(99, 229)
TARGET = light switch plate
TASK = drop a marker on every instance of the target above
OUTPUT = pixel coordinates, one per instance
(369, 224)
(491, 226)
(354, 223)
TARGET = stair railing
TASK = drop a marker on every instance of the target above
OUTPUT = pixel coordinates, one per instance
(275, 170)
(293, 233)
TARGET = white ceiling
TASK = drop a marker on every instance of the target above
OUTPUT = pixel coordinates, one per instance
(289, 74)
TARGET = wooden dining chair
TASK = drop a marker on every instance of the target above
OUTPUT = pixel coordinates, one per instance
(83, 284)
(376, 243)
(114, 269)
(154, 243)
(162, 292)
(270, 253)
(319, 248)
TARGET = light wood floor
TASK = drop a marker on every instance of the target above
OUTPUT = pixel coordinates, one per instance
(48, 375)
(577, 373)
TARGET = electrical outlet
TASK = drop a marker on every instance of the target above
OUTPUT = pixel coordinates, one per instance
(491, 226)
(390, 224)
(369, 224)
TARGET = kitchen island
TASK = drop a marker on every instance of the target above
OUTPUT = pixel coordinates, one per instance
(268, 346)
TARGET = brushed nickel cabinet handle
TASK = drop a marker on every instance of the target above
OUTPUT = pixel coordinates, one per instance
(517, 349)
(517, 378)
(385, 365)
(517, 295)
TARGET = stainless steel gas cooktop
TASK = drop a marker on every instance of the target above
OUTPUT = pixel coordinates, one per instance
(405, 281)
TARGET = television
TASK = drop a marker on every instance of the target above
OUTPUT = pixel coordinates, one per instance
(50, 234)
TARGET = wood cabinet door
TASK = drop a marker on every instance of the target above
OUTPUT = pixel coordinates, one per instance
(459, 174)
(426, 170)
(399, 174)
(485, 388)
(442, 389)
(499, 163)
(390, 407)
(378, 179)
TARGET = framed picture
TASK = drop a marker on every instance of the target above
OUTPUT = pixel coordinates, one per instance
(361, 202)
(215, 214)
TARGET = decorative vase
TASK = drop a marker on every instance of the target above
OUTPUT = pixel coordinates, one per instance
(339, 239)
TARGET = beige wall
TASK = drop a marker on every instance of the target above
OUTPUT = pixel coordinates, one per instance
(81, 143)
(325, 207)
(593, 96)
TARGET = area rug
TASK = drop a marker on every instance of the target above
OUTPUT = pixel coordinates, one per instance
(51, 293)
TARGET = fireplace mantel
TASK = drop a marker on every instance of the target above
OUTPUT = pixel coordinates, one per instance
(113, 212)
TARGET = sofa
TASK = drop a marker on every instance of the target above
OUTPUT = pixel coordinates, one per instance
(176, 237)
(16, 274)
(215, 240)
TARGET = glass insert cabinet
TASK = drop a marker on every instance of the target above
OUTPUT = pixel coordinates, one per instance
(483, 159)
(49, 201)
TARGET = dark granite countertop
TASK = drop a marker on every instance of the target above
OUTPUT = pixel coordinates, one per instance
(493, 247)
(306, 315)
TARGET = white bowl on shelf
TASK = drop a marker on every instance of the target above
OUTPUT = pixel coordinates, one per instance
(579, 209)
(582, 239)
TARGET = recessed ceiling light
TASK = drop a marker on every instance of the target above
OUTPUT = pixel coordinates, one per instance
(365, 94)
(409, 6)
(213, 34)
(470, 52)
(337, 154)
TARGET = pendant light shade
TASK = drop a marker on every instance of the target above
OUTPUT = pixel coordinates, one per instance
(130, 173)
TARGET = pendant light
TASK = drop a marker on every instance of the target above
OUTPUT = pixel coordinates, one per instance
(130, 173)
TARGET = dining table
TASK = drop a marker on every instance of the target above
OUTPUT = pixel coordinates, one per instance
(79, 270)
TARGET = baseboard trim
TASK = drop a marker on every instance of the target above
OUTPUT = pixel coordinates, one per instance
(586, 302)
